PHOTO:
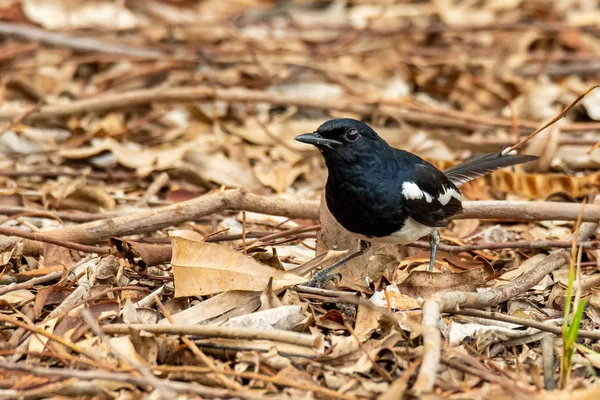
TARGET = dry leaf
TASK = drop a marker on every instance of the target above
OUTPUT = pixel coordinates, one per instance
(214, 307)
(392, 297)
(201, 268)
(17, 297)
(284, 318)
(74, 14)
(426, 284)
(145, 161)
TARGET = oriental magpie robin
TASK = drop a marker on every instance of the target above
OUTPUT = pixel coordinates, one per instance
(386, 195)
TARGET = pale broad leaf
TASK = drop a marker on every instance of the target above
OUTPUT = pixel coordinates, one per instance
(201, 268)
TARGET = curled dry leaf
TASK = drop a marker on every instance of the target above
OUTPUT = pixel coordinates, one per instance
(425, 284)
(201, 268)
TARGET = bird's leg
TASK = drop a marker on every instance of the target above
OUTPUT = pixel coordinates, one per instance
(434, 240)
(324, 276)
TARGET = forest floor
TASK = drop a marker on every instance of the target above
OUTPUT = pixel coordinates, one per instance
(158, 221)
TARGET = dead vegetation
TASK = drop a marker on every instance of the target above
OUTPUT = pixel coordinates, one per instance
(158, 220)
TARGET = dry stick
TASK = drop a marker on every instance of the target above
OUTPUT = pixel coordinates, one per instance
(496, 316)
(175, 214)
(239, 199)
(444, 302)
(157, 184)
(180, 387)
(286, 233)
(528, 211)
(63, 215)
(39, 237)
(548, 362)
(54, 172)
(403, 109)
(30, 32)
(537, 244)
(298, 339)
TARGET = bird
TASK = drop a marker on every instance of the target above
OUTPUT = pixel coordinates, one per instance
(386, 195)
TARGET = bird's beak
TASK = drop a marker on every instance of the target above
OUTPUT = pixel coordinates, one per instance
(317, 140)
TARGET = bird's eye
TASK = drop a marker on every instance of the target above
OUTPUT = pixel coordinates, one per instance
(351, 135)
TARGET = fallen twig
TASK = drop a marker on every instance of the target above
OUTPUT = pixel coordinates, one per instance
(60, 215)
(30, 32)
(548, 362)
(536, 244)
(298, 339)
(40, 237)
(560, 116)
(239, 199)
(557, 330)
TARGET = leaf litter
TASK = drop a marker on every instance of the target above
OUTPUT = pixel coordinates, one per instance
(117, 109)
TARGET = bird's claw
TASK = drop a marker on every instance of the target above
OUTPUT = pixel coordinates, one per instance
(321, 278)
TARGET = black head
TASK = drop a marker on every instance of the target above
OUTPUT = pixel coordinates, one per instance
(343, 138)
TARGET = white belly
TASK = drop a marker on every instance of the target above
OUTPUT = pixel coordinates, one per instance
(410, 232)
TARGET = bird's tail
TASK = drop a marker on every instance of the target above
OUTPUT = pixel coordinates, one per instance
(483, 165)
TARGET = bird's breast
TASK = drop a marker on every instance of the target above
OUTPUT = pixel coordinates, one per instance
(410, 232)
(366, 206)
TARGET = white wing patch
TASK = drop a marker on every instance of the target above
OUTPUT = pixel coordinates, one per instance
(449, 193)
(412, 191)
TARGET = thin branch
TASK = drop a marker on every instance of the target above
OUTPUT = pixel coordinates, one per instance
(557, 330)
(40, 237)
(560, 116)
(282, 336)
(32, 33)
(239, 199)
(530, 245)
(60, 215)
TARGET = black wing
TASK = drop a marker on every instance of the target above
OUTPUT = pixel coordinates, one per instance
(483, 165)
(441, 199)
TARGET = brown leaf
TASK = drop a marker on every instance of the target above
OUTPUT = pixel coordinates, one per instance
(425, 284)
(40, 300)
(201, 268)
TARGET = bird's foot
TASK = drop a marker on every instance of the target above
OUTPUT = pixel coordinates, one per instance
(323, 276)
